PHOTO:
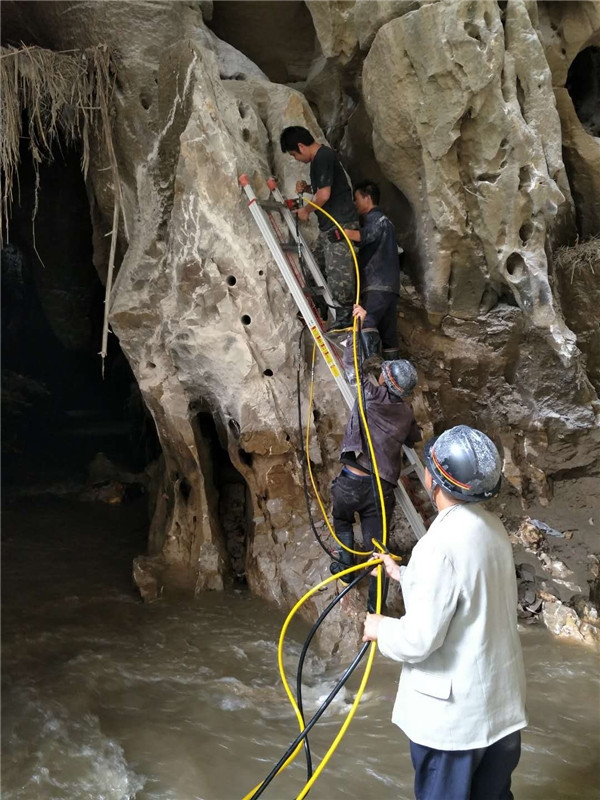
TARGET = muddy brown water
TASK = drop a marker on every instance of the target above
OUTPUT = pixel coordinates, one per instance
(106, 698)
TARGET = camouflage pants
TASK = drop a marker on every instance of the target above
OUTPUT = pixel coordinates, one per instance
(337, 265)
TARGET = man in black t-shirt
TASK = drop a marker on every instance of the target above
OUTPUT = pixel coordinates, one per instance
(333, 192)
(379, 273)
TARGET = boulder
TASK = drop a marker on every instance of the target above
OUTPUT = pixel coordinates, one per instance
(465, 124)
(334, 26)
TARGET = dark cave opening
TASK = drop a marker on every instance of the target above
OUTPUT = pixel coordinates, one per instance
(583, 84)
(58, 411)
(286, 27)
(227, 493)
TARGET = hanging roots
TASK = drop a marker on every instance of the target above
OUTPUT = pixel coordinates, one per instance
(63, 96)
(59, 95)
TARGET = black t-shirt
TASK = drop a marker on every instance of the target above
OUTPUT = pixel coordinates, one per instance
(326, 170)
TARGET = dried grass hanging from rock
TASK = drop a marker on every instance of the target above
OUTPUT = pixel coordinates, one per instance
(62, 96)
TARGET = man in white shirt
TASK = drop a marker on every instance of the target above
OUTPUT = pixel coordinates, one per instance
(461, 698)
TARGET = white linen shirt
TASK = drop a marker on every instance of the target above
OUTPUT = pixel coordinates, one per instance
(463, 682)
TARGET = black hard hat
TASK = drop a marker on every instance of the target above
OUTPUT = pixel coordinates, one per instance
(465, 463)
(400, 376)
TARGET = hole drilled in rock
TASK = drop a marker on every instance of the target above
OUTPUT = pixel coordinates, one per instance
(231, 280)
(261, 272)
(268, 373)
(246, 135)
(246, 319)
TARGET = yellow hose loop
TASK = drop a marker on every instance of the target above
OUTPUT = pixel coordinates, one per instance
(309, 467)
(357, 699)
(382, 549)
(347, 571)
(284, 680)
(356, 370)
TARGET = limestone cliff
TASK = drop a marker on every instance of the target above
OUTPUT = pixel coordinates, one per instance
(464, 113)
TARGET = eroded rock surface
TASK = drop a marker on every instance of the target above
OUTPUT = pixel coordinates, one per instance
(451, 106)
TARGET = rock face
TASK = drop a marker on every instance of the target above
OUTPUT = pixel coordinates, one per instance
(471, 135)
(451, 106)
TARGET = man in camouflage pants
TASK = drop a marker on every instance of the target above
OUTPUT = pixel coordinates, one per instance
(332, 192)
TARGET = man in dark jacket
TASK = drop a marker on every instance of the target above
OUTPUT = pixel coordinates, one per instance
(379, 273)
(333, 192)
(391, 424)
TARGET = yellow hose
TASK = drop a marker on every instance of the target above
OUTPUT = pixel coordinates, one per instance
(347, 571)
(310, 472)
(356, 370)
(284, 680)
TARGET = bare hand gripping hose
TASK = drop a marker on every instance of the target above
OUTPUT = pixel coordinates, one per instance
(258, 790)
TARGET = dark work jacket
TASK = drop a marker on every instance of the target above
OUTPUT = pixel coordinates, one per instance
(378, 254)
(391, 424)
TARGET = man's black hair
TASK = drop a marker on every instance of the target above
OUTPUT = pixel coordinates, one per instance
(369, 189)
(293, 136)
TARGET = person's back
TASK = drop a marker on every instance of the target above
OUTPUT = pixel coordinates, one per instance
(378, 254)
(468, 681)
(461, 698)
(379, 268)
(391, 425)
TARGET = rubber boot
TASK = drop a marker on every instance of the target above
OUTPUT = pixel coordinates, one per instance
(370, 342)
(343, 558)
(372, 596)
(391, 354)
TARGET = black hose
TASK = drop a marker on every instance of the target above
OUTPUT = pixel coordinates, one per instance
(303, 734)
(361, 389)
(305, 456)
(305, 647)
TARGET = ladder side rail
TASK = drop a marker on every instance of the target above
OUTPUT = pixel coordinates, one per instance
(298, 237)
(410, 512)
(289, 257)
(412, 516)
(415, 462)
(314, 326)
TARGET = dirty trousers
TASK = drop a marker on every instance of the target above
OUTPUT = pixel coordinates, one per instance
(482, 774)
(353, 494)
(339, 272)
(381, 308)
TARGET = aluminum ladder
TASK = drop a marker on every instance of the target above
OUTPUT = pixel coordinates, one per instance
(288, 254)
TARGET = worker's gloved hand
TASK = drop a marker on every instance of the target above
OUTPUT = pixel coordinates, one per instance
(301, 186)
(334, 235)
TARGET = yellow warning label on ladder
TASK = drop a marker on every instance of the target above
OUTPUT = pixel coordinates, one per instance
(325, 351)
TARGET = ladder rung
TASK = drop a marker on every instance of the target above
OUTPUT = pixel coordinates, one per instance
(408, 470)
(312, 291)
